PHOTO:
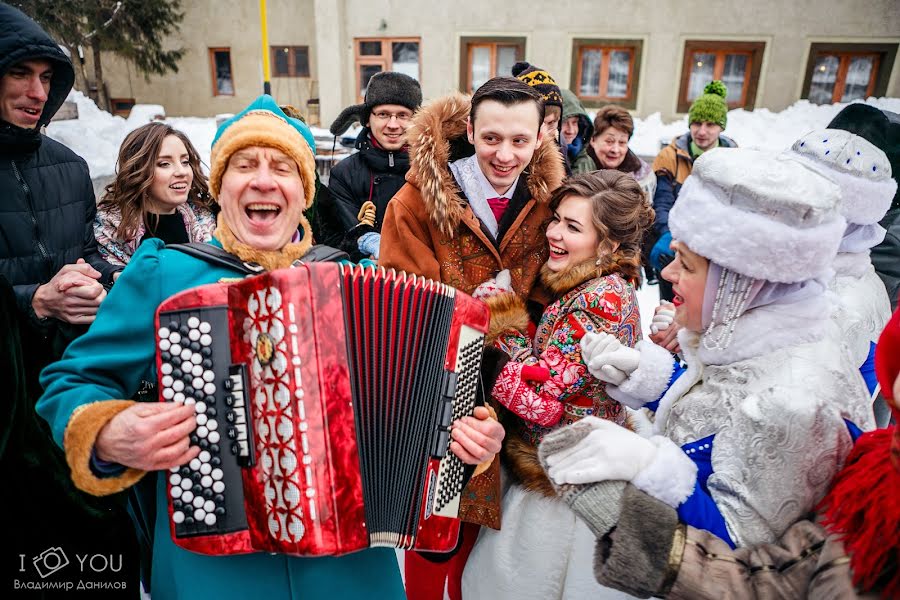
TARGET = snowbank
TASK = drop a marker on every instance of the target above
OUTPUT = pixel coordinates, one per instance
(96, 135)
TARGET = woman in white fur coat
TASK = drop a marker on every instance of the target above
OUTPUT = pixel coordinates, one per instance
(863, 173)
(748, 439)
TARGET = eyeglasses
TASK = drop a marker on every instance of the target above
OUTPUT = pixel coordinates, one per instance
(401, 117)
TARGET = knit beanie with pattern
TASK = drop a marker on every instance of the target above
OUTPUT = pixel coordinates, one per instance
(711, 105)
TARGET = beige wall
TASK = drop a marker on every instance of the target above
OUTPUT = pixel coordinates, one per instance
(328, 27)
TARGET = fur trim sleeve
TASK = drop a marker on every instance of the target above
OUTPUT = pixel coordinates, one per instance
(670, 476)
(636, 558)
(508, 313)
(80, 437)
(651, 379)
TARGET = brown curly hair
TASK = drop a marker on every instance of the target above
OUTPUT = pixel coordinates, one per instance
(134, 176)
(620, 214)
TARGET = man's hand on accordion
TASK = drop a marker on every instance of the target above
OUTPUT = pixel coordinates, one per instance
(149, 436)
(478, 438)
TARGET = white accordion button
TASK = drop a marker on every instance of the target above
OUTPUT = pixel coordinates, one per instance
(212, 425)
(187, 496)
(163, 332)
(209, 506)
(166, 369)
(178, 385)
(218, 487)
(196, 358)
(204, 327)
(213, 437)
(217, 474)
(193, 322)
(205, 339)
(208, 376)
(175, 350)
(186, 484)
(175, 479)
(209, 389)
(200, 514)
(210, 519)
(179, 397)
(178, 517)
(195, 464)
(190, 400)
(197, 383)
(200, 407)
(167, 381)
(201, 419)
(186, 354)
(164, 345)
(175, 337)
(196, 370)
(198, 502)
(202, 431)
(206, 469)
(168, 393)
(177, 491)
(204, 455)
(194, 335)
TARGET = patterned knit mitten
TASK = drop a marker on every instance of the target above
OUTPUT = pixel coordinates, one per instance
(513, 391)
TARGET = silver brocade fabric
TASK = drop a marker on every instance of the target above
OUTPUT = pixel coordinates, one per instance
(864, 307)
(779, 424)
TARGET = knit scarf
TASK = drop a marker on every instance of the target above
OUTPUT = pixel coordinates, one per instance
(267, 259)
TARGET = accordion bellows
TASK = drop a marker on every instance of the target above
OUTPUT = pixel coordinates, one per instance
(324, 395)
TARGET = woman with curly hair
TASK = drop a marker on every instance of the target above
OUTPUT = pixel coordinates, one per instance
(159, 192)
(594, 241)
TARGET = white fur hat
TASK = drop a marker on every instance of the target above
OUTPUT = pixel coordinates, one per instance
(764, 216)
(861, 170)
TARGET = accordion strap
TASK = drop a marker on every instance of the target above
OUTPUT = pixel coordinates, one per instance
(218, 256)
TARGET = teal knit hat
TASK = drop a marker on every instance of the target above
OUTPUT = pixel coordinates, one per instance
(711, 105)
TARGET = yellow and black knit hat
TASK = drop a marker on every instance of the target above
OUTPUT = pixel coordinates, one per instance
(541, 81)
(263, 123)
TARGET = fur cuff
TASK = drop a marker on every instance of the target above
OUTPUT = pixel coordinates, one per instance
(508, 313)
(267, 259)
(81, 434)
(635, 557)
(670, 476)
(651, 379)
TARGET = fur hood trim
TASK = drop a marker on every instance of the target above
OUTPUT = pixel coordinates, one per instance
(441, 124)
(508, 313)
(560, 283)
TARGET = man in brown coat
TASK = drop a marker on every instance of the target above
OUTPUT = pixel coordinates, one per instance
(475, 203)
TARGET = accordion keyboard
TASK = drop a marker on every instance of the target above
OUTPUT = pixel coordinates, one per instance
(468, 370)
(206, 494)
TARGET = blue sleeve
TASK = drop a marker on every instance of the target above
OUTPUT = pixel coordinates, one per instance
(677, 372)
(868, 370)
(663, 200)
(117, 352)
(701, 512)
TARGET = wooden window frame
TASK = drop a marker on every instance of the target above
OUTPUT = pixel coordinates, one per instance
(885, 55)
(384, 60)
(754, 52)
(468, 43)
(292, 61)
(634, 46)
(120, 112)
(212, 71)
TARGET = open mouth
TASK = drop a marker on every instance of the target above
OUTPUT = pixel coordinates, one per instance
(502, 170)
(557, 252)
(33, 113)
(261, 213)
(677, 300)
(179, 187)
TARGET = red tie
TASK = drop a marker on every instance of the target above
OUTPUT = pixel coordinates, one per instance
(498, 206)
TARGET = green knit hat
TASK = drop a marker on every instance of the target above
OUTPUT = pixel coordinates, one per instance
(711, 105)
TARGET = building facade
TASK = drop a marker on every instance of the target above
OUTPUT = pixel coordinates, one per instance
(647, 55)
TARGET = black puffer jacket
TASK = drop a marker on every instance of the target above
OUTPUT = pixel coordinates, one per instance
(47, 208)
(370, 174)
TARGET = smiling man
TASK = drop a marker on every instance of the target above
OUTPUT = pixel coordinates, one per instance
(262, 174)
(475, 203)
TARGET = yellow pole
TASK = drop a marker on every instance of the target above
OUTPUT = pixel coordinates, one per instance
(267, 86)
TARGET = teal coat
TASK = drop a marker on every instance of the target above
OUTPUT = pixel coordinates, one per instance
(109, 362)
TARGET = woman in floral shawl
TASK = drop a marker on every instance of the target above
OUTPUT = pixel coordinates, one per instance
(594, 241)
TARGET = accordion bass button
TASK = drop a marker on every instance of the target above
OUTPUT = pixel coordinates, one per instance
(178, 517)
(187, 497)
(213, 438)
(210, 519)
(204, 456)
(163, 332)
(212, 425)
(193, 322)
(220, 511)
(218, 487)
(217, 474)
(205, 327)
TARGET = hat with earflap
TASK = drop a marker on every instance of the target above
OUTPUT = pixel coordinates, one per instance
(386, 87)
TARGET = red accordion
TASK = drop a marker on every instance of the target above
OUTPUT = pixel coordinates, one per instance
(324, 395)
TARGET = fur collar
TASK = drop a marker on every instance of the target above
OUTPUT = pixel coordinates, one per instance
(442, 124)
(560, 283)
(267, 259)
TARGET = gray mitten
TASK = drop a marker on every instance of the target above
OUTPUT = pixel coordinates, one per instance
(597, 504)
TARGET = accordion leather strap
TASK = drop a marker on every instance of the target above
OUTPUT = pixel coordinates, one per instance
(217, 256)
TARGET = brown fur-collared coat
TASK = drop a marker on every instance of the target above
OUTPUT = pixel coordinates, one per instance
(430, 229)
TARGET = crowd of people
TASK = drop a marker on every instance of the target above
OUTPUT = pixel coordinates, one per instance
(747, 447)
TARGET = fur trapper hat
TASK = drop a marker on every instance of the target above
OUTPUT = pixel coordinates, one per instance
(541, 81)
(263, 123)
(766, 217)
(861, 170)
(386, 87)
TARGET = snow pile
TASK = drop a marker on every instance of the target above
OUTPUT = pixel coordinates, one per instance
(761, 129)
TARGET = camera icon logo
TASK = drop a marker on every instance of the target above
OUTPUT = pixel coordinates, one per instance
(50, 561)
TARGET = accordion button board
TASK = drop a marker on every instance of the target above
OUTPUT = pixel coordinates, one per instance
(324, 397)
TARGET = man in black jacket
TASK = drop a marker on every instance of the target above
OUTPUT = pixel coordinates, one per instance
(378, 170)
(49, 256)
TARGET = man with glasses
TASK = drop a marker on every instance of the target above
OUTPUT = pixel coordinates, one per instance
(378, 170)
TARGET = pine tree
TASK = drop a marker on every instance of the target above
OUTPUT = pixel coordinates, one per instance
(132, 29)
